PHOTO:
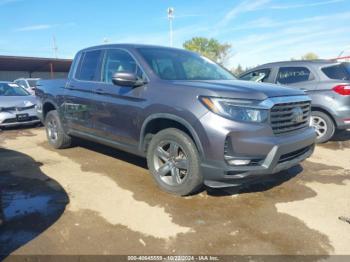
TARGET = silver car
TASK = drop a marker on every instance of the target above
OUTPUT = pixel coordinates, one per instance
(327, 82)
(17, 106)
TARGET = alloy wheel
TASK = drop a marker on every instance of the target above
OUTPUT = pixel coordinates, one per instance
(171, 163)
(320, 125)
(52, 130)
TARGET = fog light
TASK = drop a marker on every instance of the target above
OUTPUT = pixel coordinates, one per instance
(238, 162)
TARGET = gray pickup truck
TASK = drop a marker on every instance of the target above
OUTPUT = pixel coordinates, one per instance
(193, 121)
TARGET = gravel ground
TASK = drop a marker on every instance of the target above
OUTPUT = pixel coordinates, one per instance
(94, 200)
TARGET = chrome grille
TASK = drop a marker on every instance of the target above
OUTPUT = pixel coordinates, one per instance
(18, 108)
(284, 119)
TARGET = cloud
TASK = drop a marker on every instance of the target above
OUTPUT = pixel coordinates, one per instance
(302, 5)
(266, 22)
(34, 28)
(254, 5)
(289, 42)
(5, 2)
(183, 16)
(41, 27)
(243, 7)
(292, 39)
(162, 38)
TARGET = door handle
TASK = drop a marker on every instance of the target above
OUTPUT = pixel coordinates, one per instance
(99, 91)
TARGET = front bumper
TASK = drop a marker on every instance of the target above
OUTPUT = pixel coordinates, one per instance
(342, 118)
(9, 118)
(250, 141)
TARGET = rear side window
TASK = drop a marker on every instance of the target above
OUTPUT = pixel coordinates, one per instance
(292, 75)
(339, 72)
(88, 66)
(257, 76)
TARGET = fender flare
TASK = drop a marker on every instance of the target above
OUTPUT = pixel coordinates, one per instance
(48, 101)
(174, 118)
(327, 110)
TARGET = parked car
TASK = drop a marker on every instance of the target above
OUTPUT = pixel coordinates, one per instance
(17, 106)
(192, 120)
(28, 83)
(327, 82)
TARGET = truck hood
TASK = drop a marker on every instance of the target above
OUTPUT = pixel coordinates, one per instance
(17, 101)
(239, 89)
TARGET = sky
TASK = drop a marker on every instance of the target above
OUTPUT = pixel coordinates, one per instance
(259, 31)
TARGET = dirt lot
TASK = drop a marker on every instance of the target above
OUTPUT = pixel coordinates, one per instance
(96, 200)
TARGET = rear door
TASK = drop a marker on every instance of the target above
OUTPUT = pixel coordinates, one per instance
(301, 77)
(78, 98)
(117, 109)
(336, 74)
(336, 83)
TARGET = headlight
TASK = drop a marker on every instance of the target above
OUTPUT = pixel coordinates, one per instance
(237, 110)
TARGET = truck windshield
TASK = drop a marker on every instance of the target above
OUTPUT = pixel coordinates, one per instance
(339, 72)
(171, 64)
(12, 90)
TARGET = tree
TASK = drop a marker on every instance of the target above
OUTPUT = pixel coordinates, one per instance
(309, 56)
(210, 48)
(237, 70)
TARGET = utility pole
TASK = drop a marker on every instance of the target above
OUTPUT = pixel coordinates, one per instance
(54, 46)
(171, 11)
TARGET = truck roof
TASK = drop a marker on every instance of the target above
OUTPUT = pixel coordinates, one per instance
(129, 46)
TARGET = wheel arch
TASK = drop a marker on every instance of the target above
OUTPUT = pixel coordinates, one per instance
(47, 107)
(161, 121)
(325, 111)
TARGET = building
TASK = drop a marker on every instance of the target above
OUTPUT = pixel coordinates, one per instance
(13, 67)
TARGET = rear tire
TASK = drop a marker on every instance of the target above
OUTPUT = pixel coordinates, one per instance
(55, 133)
(323, 125)
(174, 162)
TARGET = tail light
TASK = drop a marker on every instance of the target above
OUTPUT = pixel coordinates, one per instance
(343, 90)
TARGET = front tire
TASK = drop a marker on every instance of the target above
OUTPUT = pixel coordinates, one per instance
(174, 162)
(55, 133)
(324, 126)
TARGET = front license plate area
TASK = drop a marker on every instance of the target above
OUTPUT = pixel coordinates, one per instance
(22, 117)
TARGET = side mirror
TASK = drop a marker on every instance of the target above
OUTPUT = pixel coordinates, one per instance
(126, 79)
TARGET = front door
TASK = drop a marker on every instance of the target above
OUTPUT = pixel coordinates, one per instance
(117, 108)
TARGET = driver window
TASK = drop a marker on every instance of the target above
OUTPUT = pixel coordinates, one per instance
(117, 61)
(257, 76)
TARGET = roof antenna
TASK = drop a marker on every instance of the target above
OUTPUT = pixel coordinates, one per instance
(54, 46)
